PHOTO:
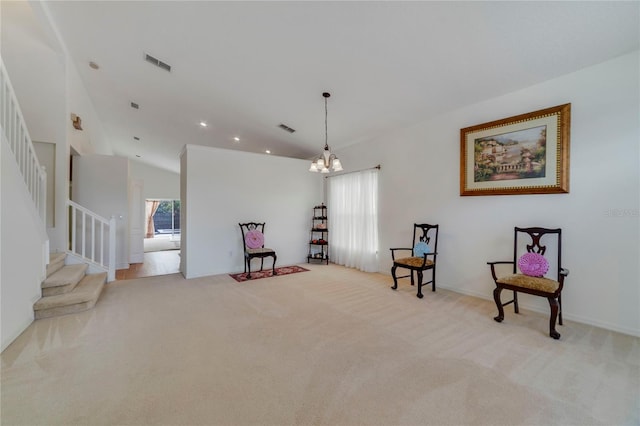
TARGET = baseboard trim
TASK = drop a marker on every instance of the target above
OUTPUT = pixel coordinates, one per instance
(565, 315)
(6, 342)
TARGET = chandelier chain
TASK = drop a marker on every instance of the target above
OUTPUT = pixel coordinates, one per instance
(326, 132)
(327, 161)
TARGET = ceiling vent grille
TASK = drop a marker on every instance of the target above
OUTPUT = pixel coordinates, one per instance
(286, 128)
(157, 62)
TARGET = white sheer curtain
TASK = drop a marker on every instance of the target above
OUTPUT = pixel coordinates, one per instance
(353, 220)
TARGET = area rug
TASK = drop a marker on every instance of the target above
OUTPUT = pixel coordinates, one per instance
(256, 275)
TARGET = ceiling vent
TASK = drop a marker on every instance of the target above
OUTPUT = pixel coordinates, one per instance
(287, 128)
(157, 62)
(135, 105)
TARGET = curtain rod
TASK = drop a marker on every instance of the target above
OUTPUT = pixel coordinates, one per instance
(355, 171)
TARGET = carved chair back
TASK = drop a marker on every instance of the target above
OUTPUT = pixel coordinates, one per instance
(250, 226)
(541, 241)
(426, 233)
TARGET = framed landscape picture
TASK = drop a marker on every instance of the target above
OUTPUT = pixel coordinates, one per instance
(524, 154)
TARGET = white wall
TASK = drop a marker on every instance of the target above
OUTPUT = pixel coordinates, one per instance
(37, 69)
(159, 183)
(92, 138)
(22, 243)
(223, 188)
(101, 184)
(419, 182)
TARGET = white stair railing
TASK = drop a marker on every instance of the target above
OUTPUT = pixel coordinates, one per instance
(15, 129)
(93, 238)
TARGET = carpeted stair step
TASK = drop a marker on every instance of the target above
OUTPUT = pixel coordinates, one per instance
(64, 280)
(56, 261)
(82, 298)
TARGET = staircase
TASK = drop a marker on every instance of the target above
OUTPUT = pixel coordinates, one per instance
(67, 288)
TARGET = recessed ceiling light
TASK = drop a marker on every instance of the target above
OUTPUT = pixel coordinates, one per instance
(94, 65)
(268, 152)
(237, 139)
(203, 123)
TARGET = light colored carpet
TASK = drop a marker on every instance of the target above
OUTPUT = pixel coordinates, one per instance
(332, 346)
(161, 243)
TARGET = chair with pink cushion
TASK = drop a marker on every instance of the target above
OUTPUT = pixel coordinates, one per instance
(253, 240)
(537, 275)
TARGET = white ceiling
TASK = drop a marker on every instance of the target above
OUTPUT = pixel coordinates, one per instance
(245, 67)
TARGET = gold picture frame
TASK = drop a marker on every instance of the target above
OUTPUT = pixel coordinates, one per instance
(523, 154)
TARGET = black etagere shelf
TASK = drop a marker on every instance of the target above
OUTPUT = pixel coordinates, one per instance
(318, 241)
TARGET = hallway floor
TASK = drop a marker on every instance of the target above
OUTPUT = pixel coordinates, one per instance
(155, 263)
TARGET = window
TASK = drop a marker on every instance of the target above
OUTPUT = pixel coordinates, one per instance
(353, 220)
(163, 218)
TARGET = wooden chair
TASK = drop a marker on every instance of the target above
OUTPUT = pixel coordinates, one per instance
(253, 240)
(423, 256)
(528, 282)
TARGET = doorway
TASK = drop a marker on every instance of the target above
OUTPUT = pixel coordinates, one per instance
(162, 225)
(161, 242)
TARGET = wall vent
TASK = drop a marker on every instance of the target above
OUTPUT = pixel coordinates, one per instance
(135, 105)
(287, 128)
(157, 62)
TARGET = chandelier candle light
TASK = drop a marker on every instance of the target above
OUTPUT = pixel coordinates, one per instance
(327, 159)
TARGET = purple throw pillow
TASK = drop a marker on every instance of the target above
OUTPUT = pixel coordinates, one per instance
(533, 264)
(254, 239)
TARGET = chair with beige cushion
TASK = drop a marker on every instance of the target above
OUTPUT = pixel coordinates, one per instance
(253, 240)
(422, 256)
(529, 248)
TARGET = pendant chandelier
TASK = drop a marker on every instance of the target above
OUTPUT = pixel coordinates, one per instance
(327, 160)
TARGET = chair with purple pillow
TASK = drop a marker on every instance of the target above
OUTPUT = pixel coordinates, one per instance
(529, 248)
(253, 240)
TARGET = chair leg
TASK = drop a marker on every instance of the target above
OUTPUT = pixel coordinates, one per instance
(261, 263)
(246, 260)
(273, 268)
(412, 283)
(560, 306)
(496, 298)
(249, 268)
(515, 302)
(433, 277)
(395, 280)
(553, 304)
(419, 284)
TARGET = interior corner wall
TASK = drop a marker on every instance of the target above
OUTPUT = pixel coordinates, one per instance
(101, 184)
(223, 188)
(46, 153)
(419, 182)
(184, 209)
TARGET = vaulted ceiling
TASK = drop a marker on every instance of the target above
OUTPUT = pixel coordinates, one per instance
(246, 67)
